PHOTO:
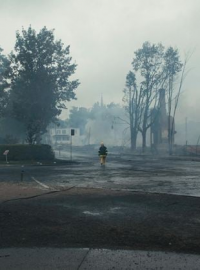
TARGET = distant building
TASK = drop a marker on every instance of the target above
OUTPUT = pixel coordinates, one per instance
(62, 136)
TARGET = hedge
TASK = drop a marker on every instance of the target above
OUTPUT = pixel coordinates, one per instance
(27, 152)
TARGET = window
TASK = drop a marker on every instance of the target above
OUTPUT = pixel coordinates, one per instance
(65, 137)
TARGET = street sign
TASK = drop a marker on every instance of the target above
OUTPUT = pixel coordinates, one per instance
(6, 152)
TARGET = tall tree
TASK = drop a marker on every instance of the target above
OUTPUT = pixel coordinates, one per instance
(172, 68)
(40, 85)
(154, 69)
(4, 83)
(133, 99)
(148, 62)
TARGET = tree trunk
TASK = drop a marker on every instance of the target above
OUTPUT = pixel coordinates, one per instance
(38, 138)
(144, 143)
(133, 132)
(30, 139)
(170, 134)
(144, 130)
(170, 149)
(132, 139)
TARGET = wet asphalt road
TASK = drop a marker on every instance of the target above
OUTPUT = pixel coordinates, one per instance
(90, 212)
(122, 172)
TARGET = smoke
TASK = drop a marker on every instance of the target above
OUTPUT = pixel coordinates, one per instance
(108, 125)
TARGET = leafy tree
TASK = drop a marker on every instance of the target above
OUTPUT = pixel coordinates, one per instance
(78, 118)
(4, 84)
(97, 110)
(12, 128)
(40, 85)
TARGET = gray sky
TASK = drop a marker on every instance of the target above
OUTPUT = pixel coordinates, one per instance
(103, 36)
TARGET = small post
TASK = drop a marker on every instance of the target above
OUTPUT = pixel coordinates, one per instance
(6, 154)
(71, 149)
(22, 173)
(72, 134)
(186, 131)
(89, 136)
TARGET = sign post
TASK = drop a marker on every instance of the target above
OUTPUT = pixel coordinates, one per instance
(72, 134)
(6, 154)
(22, 173)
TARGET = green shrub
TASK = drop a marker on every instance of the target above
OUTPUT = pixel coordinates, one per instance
(27, 152)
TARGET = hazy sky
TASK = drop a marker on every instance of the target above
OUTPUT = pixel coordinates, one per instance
(103, 35)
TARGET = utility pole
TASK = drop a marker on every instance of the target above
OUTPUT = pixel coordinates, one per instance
(71, 149)
(72, 134)
(186, 131)
(89, 136)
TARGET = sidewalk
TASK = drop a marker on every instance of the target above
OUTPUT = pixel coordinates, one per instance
(98, 259)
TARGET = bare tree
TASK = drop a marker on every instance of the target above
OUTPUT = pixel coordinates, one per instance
(148, 62)
(132, 99)
(172, 68)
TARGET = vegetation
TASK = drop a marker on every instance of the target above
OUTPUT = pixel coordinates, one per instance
(26, 152)
(39, 80)
(78, 118)
(154, 68)
(35, 86)
(133, 100)
(4, 73)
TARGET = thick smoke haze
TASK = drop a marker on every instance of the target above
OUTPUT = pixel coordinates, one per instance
(103, 36)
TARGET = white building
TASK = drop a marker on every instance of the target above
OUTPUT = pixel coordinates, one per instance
(62, 136)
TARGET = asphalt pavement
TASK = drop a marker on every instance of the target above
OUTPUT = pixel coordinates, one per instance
(133, 173)
(175, 176)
